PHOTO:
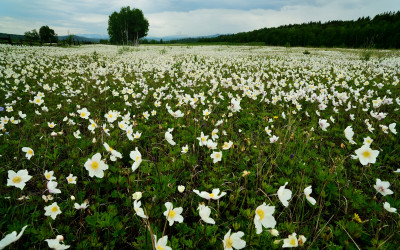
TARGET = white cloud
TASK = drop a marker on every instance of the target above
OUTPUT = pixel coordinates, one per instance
(225, 21)
(16, 26)
(182, 17)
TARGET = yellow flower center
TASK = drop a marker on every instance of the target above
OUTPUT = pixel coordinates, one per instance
(212, 195)
(54, 209)
(137, 158)
(30, 151)
(293, 241)
(48, 176)
(229, 243)
(70, 179)
(260, 213)
(83, 114)
(160, 248)
(217, 156)
(171, 214)
(110, 149)
(95, 165)
(17, 179)
(366, 154)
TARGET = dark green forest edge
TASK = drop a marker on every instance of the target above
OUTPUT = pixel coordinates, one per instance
(381, 32)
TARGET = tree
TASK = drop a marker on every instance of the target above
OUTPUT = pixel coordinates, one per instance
(127, 26)
(47, 35)
(32, 35)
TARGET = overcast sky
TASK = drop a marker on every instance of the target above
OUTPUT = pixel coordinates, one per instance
(182, 17)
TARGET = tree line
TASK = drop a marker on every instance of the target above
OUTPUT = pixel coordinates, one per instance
(382, 31)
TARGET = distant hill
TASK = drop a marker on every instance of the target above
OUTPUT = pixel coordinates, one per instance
(176, 37)
(13, 36)
(81, 39)
(94, 37)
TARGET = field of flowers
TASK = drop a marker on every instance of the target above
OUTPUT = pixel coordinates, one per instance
(184, 147)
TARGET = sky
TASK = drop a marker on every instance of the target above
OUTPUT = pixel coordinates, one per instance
(182, 17)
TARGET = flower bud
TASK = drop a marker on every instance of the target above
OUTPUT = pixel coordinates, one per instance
(181, 188)
(60, 237)
(72, 197)
(137, 195)
(274, 232)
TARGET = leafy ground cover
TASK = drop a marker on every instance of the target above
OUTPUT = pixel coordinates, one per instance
(211, 147)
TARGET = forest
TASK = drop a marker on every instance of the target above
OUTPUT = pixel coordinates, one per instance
(382, 31)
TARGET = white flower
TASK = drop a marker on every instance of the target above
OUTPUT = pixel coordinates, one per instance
(185, 149)
(386, 205)
(235, 105)
(92, 126)
(205, 213)
(307, 192)
(161, 244)
(268, 131)
(214, 194)
(96, 166)
(392, 128)
(216, 156)
(284, 194)
(234, 240)
(138, 210)
(137, 157)
(29, 152)
(169, 138)
(53, 210)
(173, 214)
(323, 124)
(366, 155)
(273, 139)
(264, 218)
(349, 133)
(71, 179)
(383, 187)
(113, 152)
(368, 141)
(302, 240)
(77, 134)
(51, 124)
(55, 244)
(214, 134)
(83, 206)
(137, 135)
(84, 113)
(22, 115)
(137, 195)
(211, 144)
(181, 188)
(291, 241)
(52, 187)
(18, 179)
(11, 238)
(49, 175)
(397, 171)
(227, 145)
(202, 139)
